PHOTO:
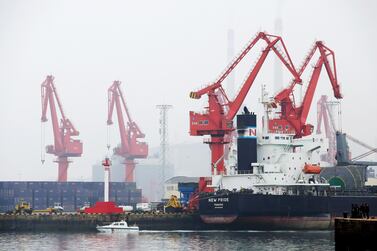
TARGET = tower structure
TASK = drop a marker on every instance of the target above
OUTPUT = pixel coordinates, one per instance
(278, 29)
(230, 56)
(106, 165)
(278, 69)
(164, 138)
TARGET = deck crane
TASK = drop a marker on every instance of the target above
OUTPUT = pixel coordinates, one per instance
(130, 133)
(217, 121)
(292, 119)
(64, 146)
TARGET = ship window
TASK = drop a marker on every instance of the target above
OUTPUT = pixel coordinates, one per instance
(293, 157)
(279, 126)
(276, 137)
(289, 168)
(268, 157)
(264, 158)
(267, 137)
(300, 157)
(286, 127)
(308, 158)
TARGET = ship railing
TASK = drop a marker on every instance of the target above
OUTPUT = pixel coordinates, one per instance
(352, 192)
(244, 172)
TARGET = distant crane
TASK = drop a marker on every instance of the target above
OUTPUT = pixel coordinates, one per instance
(130, 147)
(292, 119)
(64, 146)
(325, 116)
(217, 121)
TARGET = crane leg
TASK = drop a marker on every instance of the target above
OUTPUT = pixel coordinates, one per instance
(217, 155)
(129, 171)
(63, 169)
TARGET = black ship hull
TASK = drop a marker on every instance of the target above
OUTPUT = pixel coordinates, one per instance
(246, 211)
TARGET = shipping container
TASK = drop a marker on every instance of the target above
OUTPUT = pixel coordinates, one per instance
(75, 194)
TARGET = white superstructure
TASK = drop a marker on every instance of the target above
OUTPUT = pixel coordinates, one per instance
(280, 165)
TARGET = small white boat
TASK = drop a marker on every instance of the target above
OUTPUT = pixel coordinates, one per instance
(117, 227)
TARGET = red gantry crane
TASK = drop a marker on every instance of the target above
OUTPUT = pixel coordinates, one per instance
(130, 148)
(64, 146)
(292, 119)
(217, 121)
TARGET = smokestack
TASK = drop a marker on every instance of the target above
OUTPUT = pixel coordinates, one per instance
(278, 69)
(230, 56)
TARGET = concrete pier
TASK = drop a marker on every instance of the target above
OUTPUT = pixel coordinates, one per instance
(88, 222)
(355, 234)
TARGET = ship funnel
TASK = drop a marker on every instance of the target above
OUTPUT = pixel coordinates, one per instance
(246, 141)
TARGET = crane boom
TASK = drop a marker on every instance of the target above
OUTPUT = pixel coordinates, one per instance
(114, 96)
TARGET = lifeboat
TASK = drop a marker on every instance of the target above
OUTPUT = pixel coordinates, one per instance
(312, 169)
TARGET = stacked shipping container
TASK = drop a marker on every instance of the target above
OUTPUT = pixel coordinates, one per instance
(72, 195)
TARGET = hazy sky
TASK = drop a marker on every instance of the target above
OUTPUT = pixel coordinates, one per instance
(160, 50)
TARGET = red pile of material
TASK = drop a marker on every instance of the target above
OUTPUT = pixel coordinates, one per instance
(102, 207)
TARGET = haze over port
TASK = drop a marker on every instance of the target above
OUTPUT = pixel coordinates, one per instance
(160, 50)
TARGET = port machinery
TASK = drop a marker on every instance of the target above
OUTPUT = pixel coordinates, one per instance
(217, 121)
(290, 120)
(326, 117)
(292, 117)
(64, 144)
(130, 148)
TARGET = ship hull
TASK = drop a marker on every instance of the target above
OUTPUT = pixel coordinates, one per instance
(245, 211)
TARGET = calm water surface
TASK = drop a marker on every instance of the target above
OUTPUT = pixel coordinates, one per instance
(155, 240)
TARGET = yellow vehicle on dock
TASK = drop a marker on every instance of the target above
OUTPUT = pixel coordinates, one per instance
(173, 205)
(57, 208)
(22, 207)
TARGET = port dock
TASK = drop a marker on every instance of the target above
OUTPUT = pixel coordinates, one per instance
(355, 234)
(88, 222)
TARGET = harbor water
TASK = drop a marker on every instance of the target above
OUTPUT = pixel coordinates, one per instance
(174, 240)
